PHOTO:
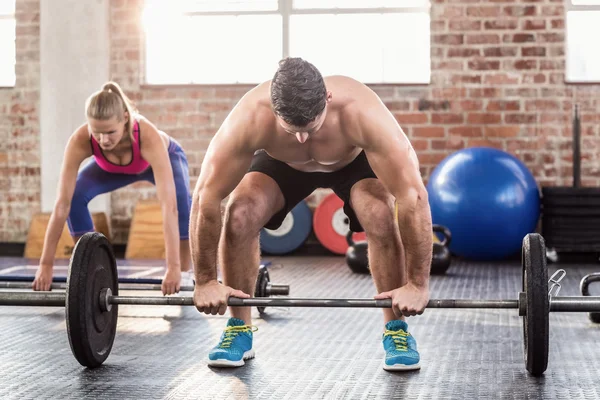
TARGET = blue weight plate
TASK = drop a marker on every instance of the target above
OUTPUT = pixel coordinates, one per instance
(292, 233)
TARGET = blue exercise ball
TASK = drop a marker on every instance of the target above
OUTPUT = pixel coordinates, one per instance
(488, 199)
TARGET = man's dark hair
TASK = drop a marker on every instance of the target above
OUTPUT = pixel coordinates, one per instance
(298, 93)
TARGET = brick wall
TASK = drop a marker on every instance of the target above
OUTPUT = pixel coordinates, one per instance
(497, 80)
(19, 130)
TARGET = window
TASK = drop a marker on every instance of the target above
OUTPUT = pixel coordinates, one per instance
(582, 32)
(237, 41)
(7, 42)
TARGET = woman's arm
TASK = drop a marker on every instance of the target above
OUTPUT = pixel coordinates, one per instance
(155, 152)
(77, 149)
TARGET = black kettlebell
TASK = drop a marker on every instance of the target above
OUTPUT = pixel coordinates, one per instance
(440, 261)
(358, 260)
(356, 255)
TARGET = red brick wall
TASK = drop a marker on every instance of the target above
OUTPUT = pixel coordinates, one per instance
(19, 130)
(497, 80)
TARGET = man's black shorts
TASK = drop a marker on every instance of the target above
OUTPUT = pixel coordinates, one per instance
(297, 185)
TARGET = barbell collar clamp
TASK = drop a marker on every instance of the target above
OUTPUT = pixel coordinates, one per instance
(522, 304)
(555, 281)
(104, 300)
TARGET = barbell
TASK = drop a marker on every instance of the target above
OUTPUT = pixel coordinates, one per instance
(91, 301)
(264, 287)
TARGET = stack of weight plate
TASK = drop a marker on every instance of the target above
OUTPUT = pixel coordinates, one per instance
(571, 215)
(571, 218)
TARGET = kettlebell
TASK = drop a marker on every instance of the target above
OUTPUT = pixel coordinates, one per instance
(356, 255)
(358, 260)
(441, 258)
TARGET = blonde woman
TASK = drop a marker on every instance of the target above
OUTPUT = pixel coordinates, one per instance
(125, 148)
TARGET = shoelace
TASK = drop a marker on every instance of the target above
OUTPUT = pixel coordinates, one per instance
(399, 338)
(231, 333)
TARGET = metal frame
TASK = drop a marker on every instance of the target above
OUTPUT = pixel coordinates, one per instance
(286, 10)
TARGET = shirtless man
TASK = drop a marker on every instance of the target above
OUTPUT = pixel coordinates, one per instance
(285, 138)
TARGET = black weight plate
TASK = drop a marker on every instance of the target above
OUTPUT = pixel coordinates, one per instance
(575, 240)
(262, 281)
(577, 225)
(571, 212)
(568, 233)
(578, 201)
(575, 237)
(551, 236)
(536, 319)
(91, 331)
(580, 215)
(585, 224)
(572, 248)
(569, 191)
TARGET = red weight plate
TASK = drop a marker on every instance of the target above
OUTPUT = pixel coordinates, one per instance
(331, 225)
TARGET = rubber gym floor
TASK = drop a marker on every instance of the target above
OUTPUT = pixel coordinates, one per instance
(160, 352)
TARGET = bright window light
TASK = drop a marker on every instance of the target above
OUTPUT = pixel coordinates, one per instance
(223, 49)
(7, 43)
(582, 56)
(299, 4)
(215, 5)
(7, 7)
(374, 53)
(586, 2)
(241, 42)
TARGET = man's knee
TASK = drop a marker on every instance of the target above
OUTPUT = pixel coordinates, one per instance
(243, 217)
(377, 219)
(374, 207)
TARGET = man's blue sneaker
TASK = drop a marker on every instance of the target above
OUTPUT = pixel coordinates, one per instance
(400, 347)
(235, 345)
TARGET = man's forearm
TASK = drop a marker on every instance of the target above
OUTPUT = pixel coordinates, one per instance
(417, 238)
(205, 230)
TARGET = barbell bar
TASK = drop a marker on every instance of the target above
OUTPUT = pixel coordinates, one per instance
(63, 279)
(272, 289)
(48, 299)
